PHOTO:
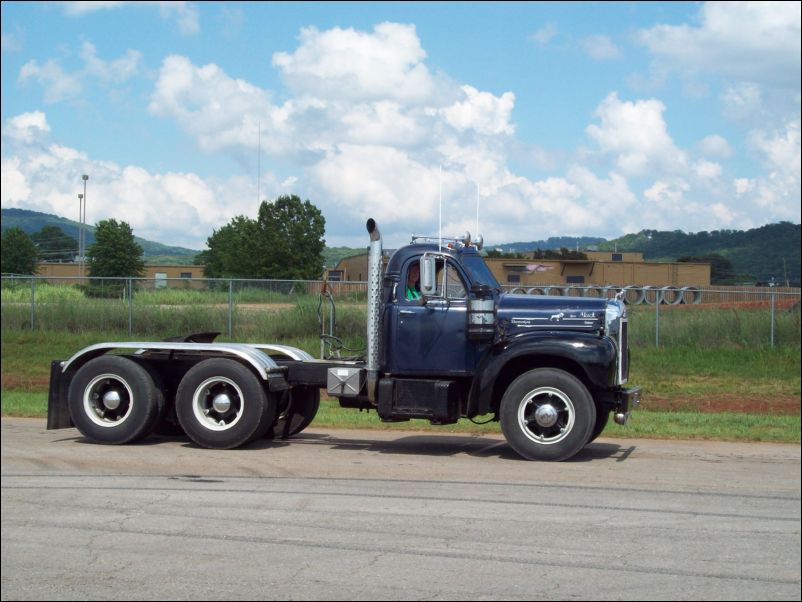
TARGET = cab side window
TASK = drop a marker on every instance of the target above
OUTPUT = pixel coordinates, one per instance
(411, 283)
(449, 282)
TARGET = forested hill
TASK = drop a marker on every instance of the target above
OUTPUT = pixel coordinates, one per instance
(760, 254)
(757, 255)
(33, 221)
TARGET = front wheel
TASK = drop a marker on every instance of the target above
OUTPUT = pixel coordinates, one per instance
(547, 414)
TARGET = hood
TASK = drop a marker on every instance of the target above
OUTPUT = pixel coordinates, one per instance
(524, 313)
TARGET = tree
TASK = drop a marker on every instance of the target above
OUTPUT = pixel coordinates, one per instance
(18, 252)
(293, 230)
(54, 245)
(721, 271)
(285, 241)
(231, 252)
(115, 253)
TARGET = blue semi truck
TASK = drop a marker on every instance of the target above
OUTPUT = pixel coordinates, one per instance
(551, 370)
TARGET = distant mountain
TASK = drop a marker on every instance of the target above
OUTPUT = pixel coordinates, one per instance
(757, 255)
(33, 221)
(552, 243)
(760, 254)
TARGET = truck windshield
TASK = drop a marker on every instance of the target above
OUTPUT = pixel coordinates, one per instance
(479, 272)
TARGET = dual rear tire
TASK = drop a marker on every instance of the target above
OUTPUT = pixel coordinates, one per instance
(219, 403)
(113, 399)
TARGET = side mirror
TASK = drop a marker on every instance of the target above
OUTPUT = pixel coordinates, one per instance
(428, 275)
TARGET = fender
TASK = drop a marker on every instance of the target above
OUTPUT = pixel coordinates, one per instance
(595, 356)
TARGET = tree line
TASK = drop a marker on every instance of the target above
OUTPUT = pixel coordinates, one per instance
(284, 241)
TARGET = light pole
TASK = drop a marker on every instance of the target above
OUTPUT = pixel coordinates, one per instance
(80, 232)
(83, 232)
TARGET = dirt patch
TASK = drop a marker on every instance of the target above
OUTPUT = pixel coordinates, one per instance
(779, 305)
(14, 381)
(785, 406)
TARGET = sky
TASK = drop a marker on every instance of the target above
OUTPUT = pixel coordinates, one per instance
(528, 120)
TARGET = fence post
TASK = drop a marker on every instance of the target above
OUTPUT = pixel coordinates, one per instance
(657, 321)
(33, 302)
(130, 308)
(230, 307)
(773, 295)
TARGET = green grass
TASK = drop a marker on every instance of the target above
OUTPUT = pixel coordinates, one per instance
(726, 426)
(710, 355)
(660, 425)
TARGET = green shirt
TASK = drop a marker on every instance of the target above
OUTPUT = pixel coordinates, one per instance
(412, 294)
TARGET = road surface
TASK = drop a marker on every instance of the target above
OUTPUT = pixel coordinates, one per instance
(375, 515)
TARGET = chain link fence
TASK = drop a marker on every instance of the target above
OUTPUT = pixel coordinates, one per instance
(275, 310)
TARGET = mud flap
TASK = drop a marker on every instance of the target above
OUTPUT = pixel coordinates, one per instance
(58, 413)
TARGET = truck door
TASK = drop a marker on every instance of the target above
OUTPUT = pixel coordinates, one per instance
(428, 336)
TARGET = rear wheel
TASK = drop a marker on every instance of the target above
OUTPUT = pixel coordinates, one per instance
(221, 404)
(547, 414)
(113, 399)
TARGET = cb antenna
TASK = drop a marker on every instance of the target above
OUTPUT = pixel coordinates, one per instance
(440, 226)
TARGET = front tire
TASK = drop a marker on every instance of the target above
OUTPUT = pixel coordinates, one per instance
(547, 414)
(221, 404)
(113, 399)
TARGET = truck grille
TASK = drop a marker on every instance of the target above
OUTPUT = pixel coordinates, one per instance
(623, 353)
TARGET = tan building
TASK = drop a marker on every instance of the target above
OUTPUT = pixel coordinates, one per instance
(156, 272)
(600, 269)
(590, 272)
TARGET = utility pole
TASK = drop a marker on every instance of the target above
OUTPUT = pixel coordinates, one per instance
(82, 266)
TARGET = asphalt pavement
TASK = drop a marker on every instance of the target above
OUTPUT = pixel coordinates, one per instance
(385, 515)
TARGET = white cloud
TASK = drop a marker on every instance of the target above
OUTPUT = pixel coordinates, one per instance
(781, 149)
(218, 110)
(389, 183)
(184, 13)
(715, 146)
(637, 136)
(58, 85)
(348, 64)
(363, 131)
(707, 170)
(172, 208)
(600, 47)
(115, 71)
(10, 42)
(544, 35)
(778, 192)
(751, 41)
(26, 127)
(742, 101)
(483, 112)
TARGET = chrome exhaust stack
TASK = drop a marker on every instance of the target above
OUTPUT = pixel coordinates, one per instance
(374, 307)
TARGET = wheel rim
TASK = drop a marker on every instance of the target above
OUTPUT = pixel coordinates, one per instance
(218, 403)
(108, 400)
(546, 415)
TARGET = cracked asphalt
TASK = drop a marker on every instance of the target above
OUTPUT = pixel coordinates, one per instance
(385, 515)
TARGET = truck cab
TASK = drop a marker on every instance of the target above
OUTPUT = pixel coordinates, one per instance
(550, 369)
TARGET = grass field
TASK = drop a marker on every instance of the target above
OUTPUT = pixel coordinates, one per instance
(690, 392)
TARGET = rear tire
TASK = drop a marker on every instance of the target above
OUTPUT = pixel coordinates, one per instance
(113, 399)
(221, 404)
(547, 414)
